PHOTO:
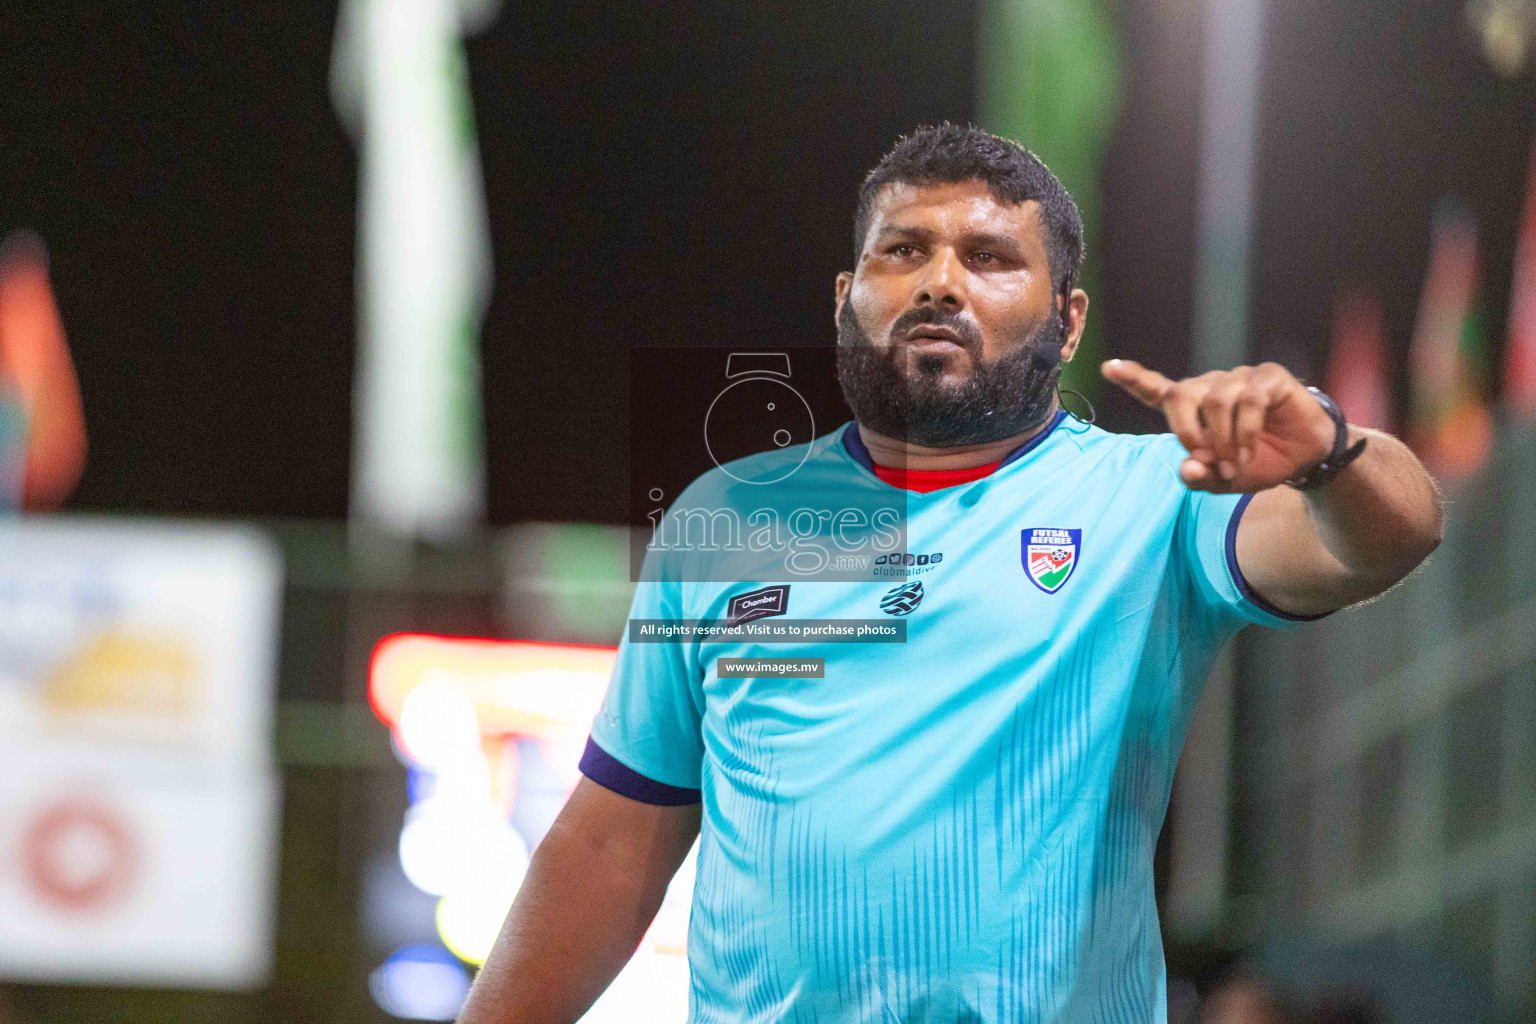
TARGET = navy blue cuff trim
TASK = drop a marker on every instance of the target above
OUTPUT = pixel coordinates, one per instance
(860, 454)
(1237, 573)
(610, 773)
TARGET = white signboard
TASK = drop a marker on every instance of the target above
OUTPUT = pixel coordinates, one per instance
(137, 795)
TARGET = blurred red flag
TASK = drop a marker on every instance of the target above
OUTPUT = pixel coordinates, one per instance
(1357, 359)
(35, 364)
(1520, 351)
(1451, 428)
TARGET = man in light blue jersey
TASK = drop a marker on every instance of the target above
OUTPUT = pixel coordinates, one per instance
(960, 826)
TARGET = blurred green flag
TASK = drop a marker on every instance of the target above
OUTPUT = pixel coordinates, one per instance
(1051, 80)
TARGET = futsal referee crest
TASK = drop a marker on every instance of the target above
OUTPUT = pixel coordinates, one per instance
(1050, 556)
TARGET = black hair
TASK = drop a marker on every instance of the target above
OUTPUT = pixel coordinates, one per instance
(949, 153)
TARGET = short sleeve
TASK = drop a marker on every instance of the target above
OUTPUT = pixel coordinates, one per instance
(1209, 534)
(646, 742)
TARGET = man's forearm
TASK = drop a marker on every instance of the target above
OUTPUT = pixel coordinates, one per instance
(1382, 516)
(567, 936)
(593, 887)
(1310, 552)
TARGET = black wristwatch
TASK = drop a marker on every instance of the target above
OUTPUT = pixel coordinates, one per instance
(1324, 470)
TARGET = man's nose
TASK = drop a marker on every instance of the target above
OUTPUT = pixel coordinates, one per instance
(941, 282)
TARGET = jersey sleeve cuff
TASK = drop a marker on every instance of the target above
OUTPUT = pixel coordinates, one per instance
(612, 774)
(1270, 614)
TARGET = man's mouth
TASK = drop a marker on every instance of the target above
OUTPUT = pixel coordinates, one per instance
(931, 339)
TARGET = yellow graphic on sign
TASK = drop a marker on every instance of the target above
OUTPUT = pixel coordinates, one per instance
(123, 673)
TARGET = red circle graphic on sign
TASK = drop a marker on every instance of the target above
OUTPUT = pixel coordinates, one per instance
(79, 855)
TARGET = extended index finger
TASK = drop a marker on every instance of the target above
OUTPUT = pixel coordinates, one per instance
(1146, 386)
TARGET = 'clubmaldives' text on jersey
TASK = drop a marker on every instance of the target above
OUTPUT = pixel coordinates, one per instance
(959, 827)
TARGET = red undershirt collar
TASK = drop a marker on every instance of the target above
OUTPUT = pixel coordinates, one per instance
(925, 480)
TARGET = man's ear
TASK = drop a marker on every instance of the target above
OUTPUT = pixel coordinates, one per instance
(1077, 319)
(844, 283)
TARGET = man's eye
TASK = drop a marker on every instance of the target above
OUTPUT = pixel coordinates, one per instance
(902, 250)
(984, 257)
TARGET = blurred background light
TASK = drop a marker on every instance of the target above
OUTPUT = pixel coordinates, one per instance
(1504, 27)
(461, 710)
(420, 982)
(437, 725)
(468, 922)
(452, 844)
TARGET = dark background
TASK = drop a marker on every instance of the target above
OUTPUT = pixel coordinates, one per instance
(678, 174)
(656, 175)
(1370, 113)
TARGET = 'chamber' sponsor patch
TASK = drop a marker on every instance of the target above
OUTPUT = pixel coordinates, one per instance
(758, 604)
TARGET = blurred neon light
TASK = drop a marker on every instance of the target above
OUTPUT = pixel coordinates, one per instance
(453, 706)
(517, 687)
(438, 725)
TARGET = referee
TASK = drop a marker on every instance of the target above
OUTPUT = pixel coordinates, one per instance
(958, 828)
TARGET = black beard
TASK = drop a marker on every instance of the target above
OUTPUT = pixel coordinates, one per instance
(1000, 399)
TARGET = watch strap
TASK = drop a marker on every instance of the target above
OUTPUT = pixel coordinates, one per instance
(1336, 461)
